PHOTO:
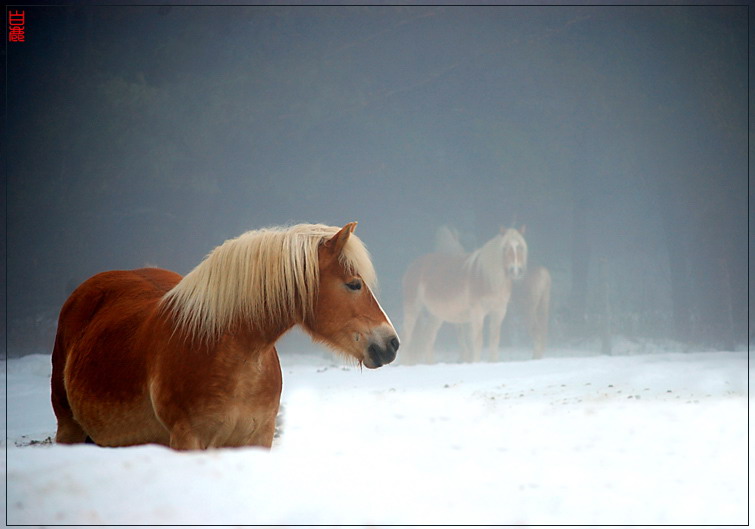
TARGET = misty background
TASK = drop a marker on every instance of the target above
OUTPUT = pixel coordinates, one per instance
(618, 135)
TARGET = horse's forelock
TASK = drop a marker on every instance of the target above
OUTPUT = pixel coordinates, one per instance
(356, 259)
(512, 235)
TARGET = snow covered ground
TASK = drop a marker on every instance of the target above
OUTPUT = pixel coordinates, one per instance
(572, 439)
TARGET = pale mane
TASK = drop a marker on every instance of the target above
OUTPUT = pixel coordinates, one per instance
(267, 277)
(488, 260)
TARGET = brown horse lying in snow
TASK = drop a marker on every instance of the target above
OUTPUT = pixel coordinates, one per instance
(146, 356)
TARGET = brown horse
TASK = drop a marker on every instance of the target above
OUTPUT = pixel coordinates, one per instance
(146, 356)
(456, 287)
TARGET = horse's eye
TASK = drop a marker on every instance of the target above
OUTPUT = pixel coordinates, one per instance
(354, 285)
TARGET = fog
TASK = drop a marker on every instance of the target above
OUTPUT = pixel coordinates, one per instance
(618, 135)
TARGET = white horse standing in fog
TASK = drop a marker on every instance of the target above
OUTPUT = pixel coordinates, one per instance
(456, 287)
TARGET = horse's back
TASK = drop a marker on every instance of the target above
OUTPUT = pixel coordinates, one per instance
(440, 283)
(101, 292)
(112, 300)
(94, 353)
(436, 271)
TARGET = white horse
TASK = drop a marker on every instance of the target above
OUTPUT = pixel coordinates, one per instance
(533, 295)
(456, 287)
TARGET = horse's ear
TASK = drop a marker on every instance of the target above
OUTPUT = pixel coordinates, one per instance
(336, 243)
(523, 229)
(503, 229)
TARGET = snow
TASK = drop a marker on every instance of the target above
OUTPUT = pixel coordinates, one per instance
(571, 439)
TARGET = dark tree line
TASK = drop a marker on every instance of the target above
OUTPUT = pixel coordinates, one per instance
(146, 135)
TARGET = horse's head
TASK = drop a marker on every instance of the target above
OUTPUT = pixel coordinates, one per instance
(346, 314)
(514, 252)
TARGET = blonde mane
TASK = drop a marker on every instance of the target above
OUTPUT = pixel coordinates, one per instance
(265, 276)
(488, 260)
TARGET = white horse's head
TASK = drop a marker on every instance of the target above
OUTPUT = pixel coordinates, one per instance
(514, 252)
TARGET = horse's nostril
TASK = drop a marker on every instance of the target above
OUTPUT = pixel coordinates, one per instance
(374, 352)
(385, 354)
(375, 355)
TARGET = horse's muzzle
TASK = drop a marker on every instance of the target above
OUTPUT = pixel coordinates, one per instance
(517, 272)
(382, 354)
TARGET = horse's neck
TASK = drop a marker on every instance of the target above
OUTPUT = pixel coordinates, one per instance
(486, 265)
(265, 337)
(495, 290)
(246, 341)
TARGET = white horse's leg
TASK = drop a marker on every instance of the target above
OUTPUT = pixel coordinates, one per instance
(494, 332)
(413, 304)
(409, 335)
(538, 310)
(539, 324)
(463, 334)
(433, 326)
(476, 324)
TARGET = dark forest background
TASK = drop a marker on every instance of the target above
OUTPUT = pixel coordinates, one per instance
(618, 135)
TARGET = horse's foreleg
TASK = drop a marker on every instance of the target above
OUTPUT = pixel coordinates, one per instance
(410, 343)
(412, 290)
(462, 332)
(539, 310)
(536, 333)
(476, 325)
(264, 435)
(539, 326)
(494, 333)
(433, 327)
(411, 312)
(183, 437)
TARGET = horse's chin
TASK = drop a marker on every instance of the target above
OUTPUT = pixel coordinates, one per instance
(348, 351)
(518, 276)
(370, 364)
(380, 349)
